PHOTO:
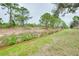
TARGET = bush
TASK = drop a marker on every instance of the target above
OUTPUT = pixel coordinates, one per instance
(4, 25)
(13, 39)
(25, 37)
(10, 40)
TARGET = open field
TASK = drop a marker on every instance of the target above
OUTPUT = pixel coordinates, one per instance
(65, 42)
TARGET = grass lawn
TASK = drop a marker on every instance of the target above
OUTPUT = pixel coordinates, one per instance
(65, 42)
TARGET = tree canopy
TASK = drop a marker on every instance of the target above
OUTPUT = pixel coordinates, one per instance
(45, 18)
(75, 22)
(16, 12)
(53, 21)
(65, 8)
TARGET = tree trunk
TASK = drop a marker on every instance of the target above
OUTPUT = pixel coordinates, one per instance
(46, 24)
(10, 21)
(22, 22)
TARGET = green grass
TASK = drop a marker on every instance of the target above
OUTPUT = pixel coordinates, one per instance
(65, 42)
(26, 48)
(14, 39)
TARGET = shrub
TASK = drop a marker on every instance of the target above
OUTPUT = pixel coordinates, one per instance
(10, 40)
(30, 36)
(25, 37)
(13, 39)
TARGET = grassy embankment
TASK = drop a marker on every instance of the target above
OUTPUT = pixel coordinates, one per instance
(65, 42)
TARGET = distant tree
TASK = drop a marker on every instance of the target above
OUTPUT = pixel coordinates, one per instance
(16, 12)
(56, 22)
(22, 16)
(11, 7)
(75, 22)
(45, 19)
(15, 8)
(53, 21)
(1, 20)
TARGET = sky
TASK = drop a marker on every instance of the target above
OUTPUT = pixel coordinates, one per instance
(38, 9)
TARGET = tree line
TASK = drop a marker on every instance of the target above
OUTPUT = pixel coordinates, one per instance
(48, 20)
(17, 14)
(20, 15)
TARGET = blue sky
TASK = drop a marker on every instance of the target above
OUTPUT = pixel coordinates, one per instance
(37, 9)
